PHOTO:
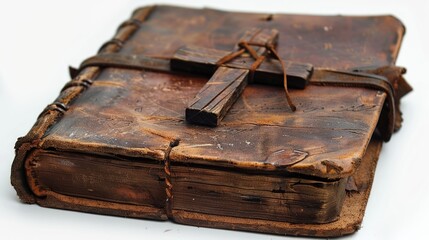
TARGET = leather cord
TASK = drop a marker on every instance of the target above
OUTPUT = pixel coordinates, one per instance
(246, 47)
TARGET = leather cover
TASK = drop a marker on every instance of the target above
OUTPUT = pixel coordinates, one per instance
(140, 114)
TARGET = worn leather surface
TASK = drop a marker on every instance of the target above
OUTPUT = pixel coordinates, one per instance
(132, 111)
(339, 42)
(349, 220)
(141, 113)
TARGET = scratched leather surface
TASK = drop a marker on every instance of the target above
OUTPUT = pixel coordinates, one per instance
(324, 41)
(146, 110)
(137, 113)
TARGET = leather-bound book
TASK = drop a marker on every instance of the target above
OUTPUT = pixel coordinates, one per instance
(259, 122)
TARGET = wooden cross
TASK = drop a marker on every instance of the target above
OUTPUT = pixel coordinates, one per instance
(231, 72)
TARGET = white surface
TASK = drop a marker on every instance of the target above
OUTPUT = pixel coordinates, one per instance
(40, 39)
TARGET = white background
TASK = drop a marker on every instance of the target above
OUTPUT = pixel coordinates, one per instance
(40, 39)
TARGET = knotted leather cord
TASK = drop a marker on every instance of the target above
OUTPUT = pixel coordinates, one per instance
(246, 47)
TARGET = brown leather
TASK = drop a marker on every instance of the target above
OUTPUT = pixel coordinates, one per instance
(361, 79)
(349, 221)
(328, 77)
(127, 61)
(300, 72)
(387, 125)
(395, 76)
(137, 114)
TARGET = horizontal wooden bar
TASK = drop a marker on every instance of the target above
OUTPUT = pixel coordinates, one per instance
(203, 61)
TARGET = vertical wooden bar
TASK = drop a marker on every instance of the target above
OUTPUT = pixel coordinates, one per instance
(217, 96)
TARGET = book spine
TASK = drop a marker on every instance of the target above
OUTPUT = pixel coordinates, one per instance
(53, 112)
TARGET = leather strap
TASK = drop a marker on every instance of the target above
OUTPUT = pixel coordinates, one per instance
(56, 106)
(137, 62)
(323, 77)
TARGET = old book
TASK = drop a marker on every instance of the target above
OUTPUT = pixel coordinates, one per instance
(260, 122)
